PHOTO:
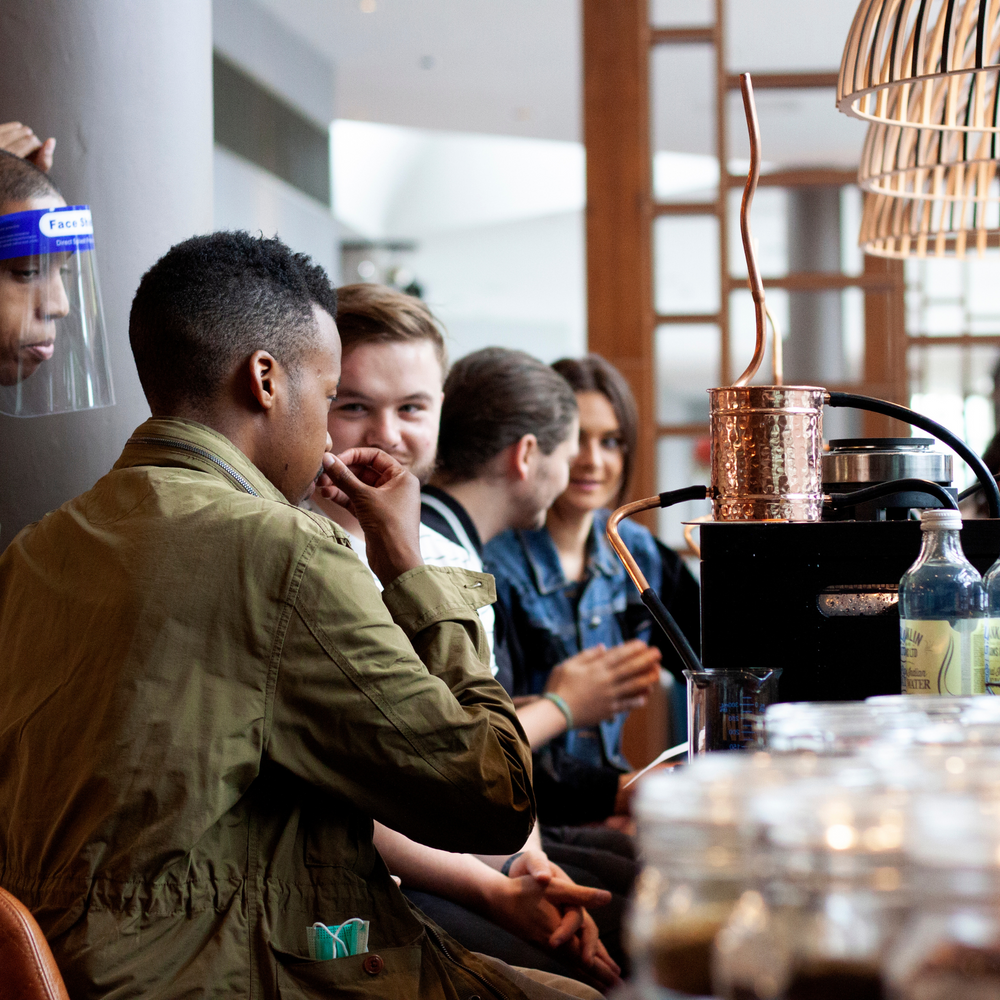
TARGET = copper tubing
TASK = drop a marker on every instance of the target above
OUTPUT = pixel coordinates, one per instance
(777, 352)
(621, 549)
(753, 271)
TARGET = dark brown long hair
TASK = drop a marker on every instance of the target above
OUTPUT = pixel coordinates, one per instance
(593, 374)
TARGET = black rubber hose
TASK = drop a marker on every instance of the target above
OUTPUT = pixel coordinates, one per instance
(673, 632)
(924, 486)
(671, 497)
(656, 607)
(942, 433)
(970, 491)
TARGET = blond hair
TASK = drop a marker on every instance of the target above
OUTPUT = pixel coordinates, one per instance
(370, 313)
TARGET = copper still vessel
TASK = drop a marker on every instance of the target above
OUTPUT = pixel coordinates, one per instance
(767, 453)
(767, 440)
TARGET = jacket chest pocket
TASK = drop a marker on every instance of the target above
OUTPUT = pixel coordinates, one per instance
(337, 839)
(383, 972)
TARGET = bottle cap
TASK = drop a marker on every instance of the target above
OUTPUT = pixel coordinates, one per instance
(931, 520)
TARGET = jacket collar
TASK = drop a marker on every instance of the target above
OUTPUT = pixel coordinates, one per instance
(169, 442)
(543, 558)
(460, 512)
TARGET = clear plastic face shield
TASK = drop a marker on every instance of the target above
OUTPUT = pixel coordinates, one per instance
(53, 349)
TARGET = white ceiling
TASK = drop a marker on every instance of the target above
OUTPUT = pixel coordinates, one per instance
(512, 67)
(508, 67)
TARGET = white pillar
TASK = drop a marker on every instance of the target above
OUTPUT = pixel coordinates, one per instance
(126, 88)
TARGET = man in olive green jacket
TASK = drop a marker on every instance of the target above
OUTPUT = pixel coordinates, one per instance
(204, 700)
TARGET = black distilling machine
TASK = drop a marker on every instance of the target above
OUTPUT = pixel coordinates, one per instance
(802, 559)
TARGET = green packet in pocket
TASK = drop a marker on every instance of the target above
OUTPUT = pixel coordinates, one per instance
(338, 940)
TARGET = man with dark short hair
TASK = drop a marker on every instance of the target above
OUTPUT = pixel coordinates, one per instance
(205, 701)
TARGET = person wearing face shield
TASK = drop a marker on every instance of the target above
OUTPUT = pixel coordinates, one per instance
(53, 350)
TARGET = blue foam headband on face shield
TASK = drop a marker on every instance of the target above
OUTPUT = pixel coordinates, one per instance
(46, 231)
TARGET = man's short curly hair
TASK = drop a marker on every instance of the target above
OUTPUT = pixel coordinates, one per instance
(210, 302)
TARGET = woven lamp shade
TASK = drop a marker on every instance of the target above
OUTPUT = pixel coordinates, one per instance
(948, 226)
(925, 63)
(911, 162)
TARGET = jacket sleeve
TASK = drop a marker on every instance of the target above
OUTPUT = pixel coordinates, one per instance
(388, 701)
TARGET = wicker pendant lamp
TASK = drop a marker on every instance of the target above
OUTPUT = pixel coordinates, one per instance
(924, 63)
(928, 192)
(893, 226)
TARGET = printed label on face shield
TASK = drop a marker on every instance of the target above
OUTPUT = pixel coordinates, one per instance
(46, 230)
(66, 222)
(943, 657)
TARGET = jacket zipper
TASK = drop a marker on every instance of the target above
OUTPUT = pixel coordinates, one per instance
(194, 449)
(451, 958)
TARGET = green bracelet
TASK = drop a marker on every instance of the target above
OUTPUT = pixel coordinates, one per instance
(560, 702)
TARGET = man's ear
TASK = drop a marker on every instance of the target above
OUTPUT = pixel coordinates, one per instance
(265, 376)
(522, 454)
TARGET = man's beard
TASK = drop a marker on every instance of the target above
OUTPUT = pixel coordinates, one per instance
(424, 470)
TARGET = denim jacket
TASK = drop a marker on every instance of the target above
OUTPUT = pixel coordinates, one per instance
(539, 599)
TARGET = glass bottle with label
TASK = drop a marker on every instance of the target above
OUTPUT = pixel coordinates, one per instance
(991, 583)
(942, 610)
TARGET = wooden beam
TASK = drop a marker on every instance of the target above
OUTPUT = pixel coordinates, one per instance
(687, 319)
(802, 177)
(685, 208)
(957, 340)
(824, 281)
(620, 315)
(785, 81)
(885, 371)
(703, 35)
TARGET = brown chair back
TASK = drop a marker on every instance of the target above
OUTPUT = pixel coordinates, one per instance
(27, 969)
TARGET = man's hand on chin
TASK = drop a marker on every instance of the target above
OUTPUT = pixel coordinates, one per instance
(385, 498)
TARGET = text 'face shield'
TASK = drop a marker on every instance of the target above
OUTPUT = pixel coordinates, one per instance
(53, 348)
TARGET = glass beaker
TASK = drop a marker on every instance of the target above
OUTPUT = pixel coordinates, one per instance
(725, 707)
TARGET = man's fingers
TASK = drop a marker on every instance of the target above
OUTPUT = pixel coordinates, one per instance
(340, 475)
(42, 157)
(338, 496)
(538, 867)
(606, 972)
(373, 458)
(24, 147)
(562, 892)
(603, 957)
(589, 939)
(571, 922)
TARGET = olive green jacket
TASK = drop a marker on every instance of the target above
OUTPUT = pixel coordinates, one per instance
(204, 702)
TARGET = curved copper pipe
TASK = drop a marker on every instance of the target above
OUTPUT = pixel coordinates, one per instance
(777, 352)
(753, 271)
(628, 561)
